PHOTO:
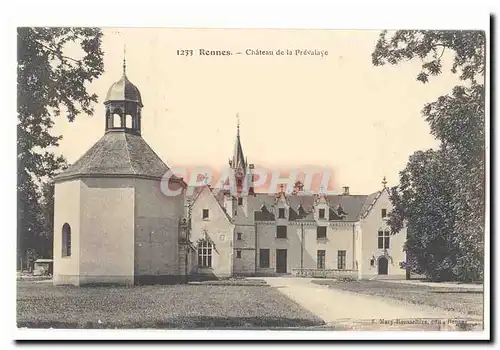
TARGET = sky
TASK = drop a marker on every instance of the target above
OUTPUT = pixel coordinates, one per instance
(336, 112)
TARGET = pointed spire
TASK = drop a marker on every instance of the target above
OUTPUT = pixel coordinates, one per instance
(124, 59)
(238, 161)
(237, 124)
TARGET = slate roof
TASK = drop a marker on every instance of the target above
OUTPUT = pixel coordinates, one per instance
(118, 153)
(238, 160)
(301, 206)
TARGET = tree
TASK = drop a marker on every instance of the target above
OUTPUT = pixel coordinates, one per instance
(48, 83)
(441, 192)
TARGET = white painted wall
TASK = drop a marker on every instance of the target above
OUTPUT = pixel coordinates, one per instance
(156, 230)
(107, 230)
(266, 239)
(219, 229)
(369, 231)
(67, 210)
(339, 236)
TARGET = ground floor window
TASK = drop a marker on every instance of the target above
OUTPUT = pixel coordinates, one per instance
(341, 260)
(264, 258)
(204, 253)
(321, 259)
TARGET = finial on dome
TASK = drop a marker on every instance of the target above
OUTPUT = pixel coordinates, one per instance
(124, 59)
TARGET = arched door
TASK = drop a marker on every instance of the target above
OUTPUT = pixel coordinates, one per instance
(383, 266)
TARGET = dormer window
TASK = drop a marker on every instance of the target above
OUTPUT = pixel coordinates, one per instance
(322, 213)
(281, 213)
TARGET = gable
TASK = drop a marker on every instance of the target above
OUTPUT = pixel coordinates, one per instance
(205, 199)
(376, 201)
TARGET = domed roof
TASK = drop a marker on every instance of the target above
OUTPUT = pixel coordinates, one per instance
(124, 90)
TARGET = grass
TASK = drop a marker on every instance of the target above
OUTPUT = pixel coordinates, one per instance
(42, 305)
(464, 301)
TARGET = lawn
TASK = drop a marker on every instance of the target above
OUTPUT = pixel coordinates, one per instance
(42, 305)
(464, 301)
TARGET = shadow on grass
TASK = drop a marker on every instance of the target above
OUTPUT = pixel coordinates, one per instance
(188, 322)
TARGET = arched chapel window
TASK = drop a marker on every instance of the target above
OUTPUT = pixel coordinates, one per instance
(66, 240)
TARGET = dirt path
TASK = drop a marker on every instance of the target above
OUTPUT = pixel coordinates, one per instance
(361, 311)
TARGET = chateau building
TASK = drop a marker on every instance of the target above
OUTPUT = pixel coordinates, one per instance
(114, 224)
(300, 233)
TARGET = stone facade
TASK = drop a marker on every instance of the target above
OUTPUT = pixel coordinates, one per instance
(300, 232)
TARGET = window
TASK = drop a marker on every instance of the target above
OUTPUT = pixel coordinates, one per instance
(204, 253)
(384, 213)
(322, 213)
(372, 262)
(238, 254)
(264, 258)
(66, 240)
(383, 239)
(280, 231)
(321, 259)
(205, 213)
(321, 232)
(240, 201)
(281, 213)
(238, 236)
(341, 260)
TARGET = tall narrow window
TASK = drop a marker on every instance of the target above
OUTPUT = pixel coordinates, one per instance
(66, 240)
(264, 258)
(238, 236)
(204, 253)
(321, 232)
(280, 231)
(205, 214)
(238, 254)
(322, 213)
(281, 213)
(384, 213)
(321, 259)
(341, 260)
(383, 239)
(240, 201)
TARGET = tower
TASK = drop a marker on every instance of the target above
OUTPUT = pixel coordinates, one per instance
(123, 105)
(238, 162)
(113, 220)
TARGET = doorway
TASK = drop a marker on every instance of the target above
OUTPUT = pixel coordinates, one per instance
(383, 266)
(280, 260)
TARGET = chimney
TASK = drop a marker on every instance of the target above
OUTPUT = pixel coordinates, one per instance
(346, 190)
